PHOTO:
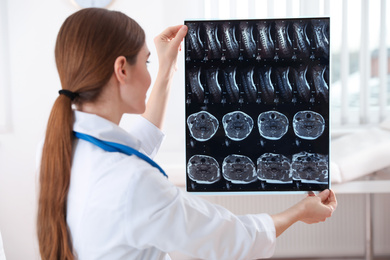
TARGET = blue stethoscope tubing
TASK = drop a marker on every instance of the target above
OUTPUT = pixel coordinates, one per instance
(115, 147)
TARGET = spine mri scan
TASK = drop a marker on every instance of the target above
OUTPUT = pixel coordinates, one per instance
(257, 105)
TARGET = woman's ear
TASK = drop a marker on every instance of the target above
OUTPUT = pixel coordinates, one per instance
(120, 69)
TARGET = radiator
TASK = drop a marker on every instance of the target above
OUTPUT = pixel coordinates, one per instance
(343, 235)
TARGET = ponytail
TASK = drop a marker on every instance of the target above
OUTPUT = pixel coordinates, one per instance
(53, 236)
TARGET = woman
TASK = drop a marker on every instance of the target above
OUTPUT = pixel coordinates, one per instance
(99, 197)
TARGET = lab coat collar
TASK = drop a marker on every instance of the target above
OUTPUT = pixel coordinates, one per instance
(103, 129)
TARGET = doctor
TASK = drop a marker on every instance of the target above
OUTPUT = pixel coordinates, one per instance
(101, 197)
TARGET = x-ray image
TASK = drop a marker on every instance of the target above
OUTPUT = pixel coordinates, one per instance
(273, 125)
(257, 105)
(239, 169)
(237, 125)
(308, 125)
(203, 169)
(274, 168)
(202, 125)
(310, 167)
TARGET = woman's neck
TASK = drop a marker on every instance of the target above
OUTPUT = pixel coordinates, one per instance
(106, 112)
(107, 105)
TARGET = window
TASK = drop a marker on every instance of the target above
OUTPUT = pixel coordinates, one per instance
(360, 67)
(360, 50)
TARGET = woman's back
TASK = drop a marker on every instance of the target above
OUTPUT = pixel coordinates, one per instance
(101, 193)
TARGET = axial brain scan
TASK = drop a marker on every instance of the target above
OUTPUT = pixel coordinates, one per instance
(308, 125)
(237, 125)
(274, 168)
(239, 169)
(203, 169)
(310, 167)
(273, 125)
(202, 125)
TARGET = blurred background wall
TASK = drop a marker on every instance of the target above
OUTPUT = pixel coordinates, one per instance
(29, 85)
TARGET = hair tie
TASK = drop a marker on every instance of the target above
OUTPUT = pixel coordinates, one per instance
(68, 93)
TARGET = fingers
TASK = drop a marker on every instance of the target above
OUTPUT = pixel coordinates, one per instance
(181, 33)
(328, 198)
(319, 207)
(171, 31)
(332, 201)
(169, 41)
(177, 33)
(324, 195)
(310, 193)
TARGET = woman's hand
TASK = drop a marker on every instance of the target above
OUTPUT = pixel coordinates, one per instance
(318, 208)
(168, 44)
(312, 209)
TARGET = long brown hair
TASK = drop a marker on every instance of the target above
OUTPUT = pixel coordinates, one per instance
(87, 45)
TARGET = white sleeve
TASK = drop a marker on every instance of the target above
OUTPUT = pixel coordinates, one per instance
(148, 134)
(2, 254)
(163, 216)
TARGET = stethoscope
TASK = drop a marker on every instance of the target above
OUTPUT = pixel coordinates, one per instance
(115, 147)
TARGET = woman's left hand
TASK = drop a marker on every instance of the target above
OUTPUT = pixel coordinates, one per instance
(168, 44)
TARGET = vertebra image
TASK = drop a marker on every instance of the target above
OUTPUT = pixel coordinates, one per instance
(310, 167)
(202, 125)
(273, 125)
(237, 125)
(239, 169)
(274, 168)
(308, 125)
(203, 169)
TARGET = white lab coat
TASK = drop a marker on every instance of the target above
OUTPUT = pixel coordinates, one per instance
(2, 254)
(120, 207)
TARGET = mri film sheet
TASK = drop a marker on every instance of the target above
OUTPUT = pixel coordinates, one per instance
(257, 105)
